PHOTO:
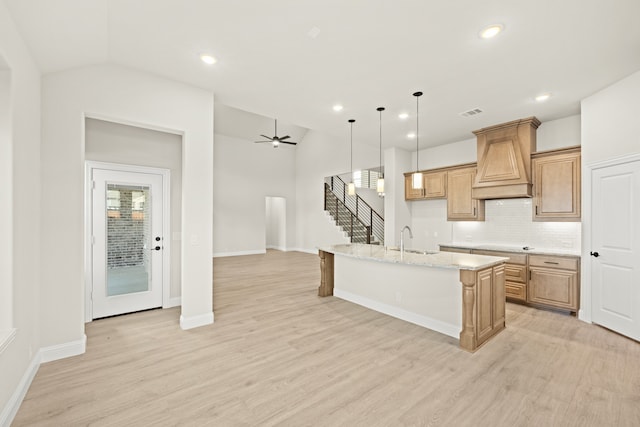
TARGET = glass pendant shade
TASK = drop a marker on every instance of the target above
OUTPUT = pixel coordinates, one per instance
(380, 186)
(351, 189)
(416, 181)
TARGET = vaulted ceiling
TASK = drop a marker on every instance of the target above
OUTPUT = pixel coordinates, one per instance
(295, 59)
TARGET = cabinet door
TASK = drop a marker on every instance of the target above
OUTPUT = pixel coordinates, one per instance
(554, 287)
(409, 192)
(556, 187)
(435, 185)
(485, 295)
(460, 205)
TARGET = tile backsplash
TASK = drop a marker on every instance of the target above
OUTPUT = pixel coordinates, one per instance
(509, 222)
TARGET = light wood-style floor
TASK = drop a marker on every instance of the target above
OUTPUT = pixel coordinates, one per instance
(279, 355)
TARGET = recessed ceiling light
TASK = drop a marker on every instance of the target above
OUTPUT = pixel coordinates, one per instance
(208, 59)
(337, 107)
(491, 31)
(411, 135)
(543, 97)
(403, 116)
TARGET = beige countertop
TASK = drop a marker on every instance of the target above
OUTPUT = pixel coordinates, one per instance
(513, 248)
(449, 260)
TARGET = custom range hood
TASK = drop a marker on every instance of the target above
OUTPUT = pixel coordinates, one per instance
(504, 160)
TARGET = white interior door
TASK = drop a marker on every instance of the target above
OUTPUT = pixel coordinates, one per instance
(615, 260)
(127, 227)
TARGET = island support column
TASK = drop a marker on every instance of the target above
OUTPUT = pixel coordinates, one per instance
(326, 274)
(483, 305)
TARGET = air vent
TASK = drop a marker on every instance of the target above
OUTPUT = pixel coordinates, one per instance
(472, 112)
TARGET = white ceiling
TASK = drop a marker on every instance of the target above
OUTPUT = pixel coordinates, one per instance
(368, 53)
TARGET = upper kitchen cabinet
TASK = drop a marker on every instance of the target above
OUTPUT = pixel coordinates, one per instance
(556, 185)
(434, 186)
(460, 204)
(504, 159)
(411, 193)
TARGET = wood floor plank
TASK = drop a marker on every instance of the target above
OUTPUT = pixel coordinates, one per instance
(278, 354)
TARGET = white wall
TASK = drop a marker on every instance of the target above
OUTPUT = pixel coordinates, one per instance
(246, 173)
(117, 143)
(20, 214)
(140, 99)
(428, 217)
(317, 156)
(610, 129)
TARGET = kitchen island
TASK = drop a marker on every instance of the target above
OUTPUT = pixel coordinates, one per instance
(421, 287)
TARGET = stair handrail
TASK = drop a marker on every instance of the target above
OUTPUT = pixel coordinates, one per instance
(376, 221)
(352, 216)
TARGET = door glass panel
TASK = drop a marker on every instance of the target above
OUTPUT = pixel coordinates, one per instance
(128, 239)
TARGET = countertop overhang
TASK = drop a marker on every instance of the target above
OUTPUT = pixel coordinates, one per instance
(450, 260)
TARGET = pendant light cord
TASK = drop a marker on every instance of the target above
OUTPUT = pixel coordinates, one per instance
(381, 109)
(417, 95)
(351, 121)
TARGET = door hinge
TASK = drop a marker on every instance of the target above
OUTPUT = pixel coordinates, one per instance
(93, 240)
(93, 185)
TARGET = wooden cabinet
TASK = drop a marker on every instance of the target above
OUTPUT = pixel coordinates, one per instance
(434, 186)
(556, 185)
(483, 305)
(460, 205)
(409, 192)
(553, 281)
(515, 273)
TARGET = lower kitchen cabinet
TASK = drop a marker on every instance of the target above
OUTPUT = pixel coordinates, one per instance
(543, 280)
(553, 281)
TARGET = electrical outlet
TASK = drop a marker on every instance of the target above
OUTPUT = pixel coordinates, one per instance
(435, 234)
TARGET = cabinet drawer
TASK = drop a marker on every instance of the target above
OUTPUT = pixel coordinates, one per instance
(514, 258)
(516, 291)
(516, 273)
(457, 250)
(553, 262)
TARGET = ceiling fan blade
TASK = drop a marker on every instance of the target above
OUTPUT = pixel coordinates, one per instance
(268, 137)
(257, 142)
(288, 142)
(285, 137)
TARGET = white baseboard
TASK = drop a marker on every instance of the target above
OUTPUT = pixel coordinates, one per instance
(11, 408)
(173, 302)
(407, 316)
(196, 321)
(238, 253)
(61, 351)
(306, 251)
(278, 248)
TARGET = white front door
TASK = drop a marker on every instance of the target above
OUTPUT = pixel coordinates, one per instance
(615, 260)
(127, 211)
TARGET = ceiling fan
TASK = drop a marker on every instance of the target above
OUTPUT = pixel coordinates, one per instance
(276, 140)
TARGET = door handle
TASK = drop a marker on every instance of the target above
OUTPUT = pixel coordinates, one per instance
(157, 248)
(595, 254)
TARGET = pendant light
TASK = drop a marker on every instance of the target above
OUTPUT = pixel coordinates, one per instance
(380, 186)
(351, 189)
(416, 178)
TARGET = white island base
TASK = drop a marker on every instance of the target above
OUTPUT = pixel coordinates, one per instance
(459, 296)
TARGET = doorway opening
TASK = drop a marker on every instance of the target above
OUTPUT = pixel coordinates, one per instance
(276, 223)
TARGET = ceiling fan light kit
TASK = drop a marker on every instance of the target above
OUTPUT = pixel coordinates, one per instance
(276, 140)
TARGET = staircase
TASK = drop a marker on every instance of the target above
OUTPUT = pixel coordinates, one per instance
(352, 214)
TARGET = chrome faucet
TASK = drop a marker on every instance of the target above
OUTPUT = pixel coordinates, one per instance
(406, 227)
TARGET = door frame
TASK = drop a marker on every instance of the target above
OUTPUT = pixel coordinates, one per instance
(90, 165)
(586, 288)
